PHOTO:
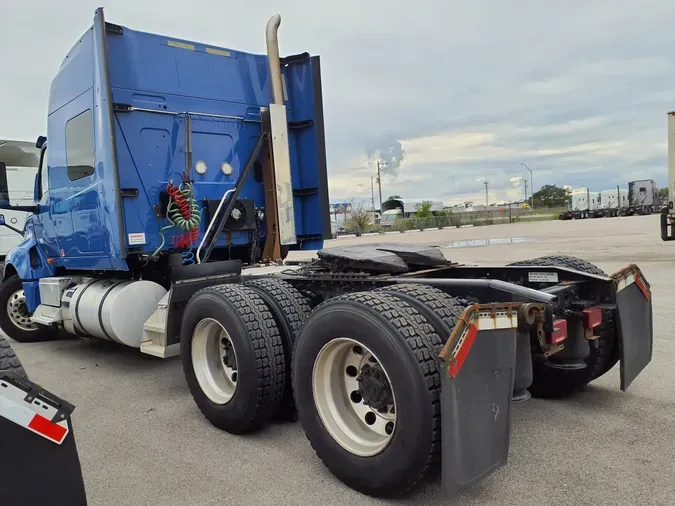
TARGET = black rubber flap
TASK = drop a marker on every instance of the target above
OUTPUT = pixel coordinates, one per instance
(392, 258)
(34, 470)
(476, 410)
(636, 333)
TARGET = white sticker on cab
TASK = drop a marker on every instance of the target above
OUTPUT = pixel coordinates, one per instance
(136, 238)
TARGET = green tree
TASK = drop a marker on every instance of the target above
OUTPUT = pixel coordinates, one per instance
(423, 209)
(550, 195)
(663, 193)
(394, 197)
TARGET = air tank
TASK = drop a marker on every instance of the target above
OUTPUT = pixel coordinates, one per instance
(110, 309)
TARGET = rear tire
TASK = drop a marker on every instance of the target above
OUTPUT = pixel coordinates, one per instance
(440, 309)
(9, 361)
(554, 383)
(14, 318)
(406, 348)
(290, 309)
(233, 357)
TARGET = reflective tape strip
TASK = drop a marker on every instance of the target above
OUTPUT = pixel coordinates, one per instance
(182, 45)
(474, 319)
(461, 351)
(15, 408)
(487, 320)
(631, 278)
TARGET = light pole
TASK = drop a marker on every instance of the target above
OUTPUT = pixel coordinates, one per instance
(531, 185)
(379, 179)
(485, 182)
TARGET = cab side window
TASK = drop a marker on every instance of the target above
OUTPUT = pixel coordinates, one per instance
(80, 146)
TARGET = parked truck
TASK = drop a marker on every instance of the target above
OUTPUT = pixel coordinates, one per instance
(20, 161)
(582, 204)
(642, 197)
(174, 179)
(614, 202)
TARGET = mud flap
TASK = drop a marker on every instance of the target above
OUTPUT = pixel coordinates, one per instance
(476, 391)
(635, 326)
(39, 463)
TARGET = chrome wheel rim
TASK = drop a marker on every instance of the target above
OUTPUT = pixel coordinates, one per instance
(18, 312)
(341, 397)
(214, 361)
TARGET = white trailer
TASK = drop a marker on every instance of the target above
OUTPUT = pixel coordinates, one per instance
(21, 160)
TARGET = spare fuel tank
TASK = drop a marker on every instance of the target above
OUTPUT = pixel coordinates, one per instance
(111, 309)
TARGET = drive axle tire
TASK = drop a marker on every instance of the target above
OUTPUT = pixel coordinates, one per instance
(290, 309)
(604, 352)
(9, 362)
(233, 358)
(14, 318)
(367, 388)
(440, 309)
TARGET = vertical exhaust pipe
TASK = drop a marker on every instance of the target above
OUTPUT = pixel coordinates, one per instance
(273, 57)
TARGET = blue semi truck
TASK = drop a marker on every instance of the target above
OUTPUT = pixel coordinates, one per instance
(175, 178)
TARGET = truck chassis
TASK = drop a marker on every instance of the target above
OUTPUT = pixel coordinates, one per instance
(380, 351)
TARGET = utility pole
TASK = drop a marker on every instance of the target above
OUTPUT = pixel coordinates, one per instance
(525, 184)
(372, 194)
(486, 192)
(379, 179)
(531, 186)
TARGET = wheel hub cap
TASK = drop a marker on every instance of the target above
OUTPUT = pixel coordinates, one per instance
(18, 312)
(374, 387)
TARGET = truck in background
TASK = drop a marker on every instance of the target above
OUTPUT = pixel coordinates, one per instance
(19, 161)
(614, 201)
(642, 197)
(393, 209)
(582, 204)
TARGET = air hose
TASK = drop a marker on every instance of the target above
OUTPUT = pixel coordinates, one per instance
(182, 212)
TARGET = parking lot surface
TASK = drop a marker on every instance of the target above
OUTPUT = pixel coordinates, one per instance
(142, 440)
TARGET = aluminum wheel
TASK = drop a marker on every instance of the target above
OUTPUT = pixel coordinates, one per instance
(214, 361)
(18, 313)
(353, 396)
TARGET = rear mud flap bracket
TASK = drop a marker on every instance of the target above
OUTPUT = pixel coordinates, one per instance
(477, 386)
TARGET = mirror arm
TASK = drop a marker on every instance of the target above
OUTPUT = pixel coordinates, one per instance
(28, 209)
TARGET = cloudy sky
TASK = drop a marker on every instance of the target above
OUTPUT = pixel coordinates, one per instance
(447, 91)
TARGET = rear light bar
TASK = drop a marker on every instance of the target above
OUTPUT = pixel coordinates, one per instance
(559, 333)
(592, 317)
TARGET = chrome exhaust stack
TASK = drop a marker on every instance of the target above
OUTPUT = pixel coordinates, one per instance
(274, 61)
(276, 124)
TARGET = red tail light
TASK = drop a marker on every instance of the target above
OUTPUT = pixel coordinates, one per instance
(559, 331)
(592, 317)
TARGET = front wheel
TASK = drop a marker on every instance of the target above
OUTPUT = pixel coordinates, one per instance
(15, 320)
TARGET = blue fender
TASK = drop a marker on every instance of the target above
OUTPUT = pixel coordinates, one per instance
(19, 259)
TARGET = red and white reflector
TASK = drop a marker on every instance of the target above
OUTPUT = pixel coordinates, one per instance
(474, 319)
(559, 333)
(632, 274)
(34, 416)
(592, 317)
